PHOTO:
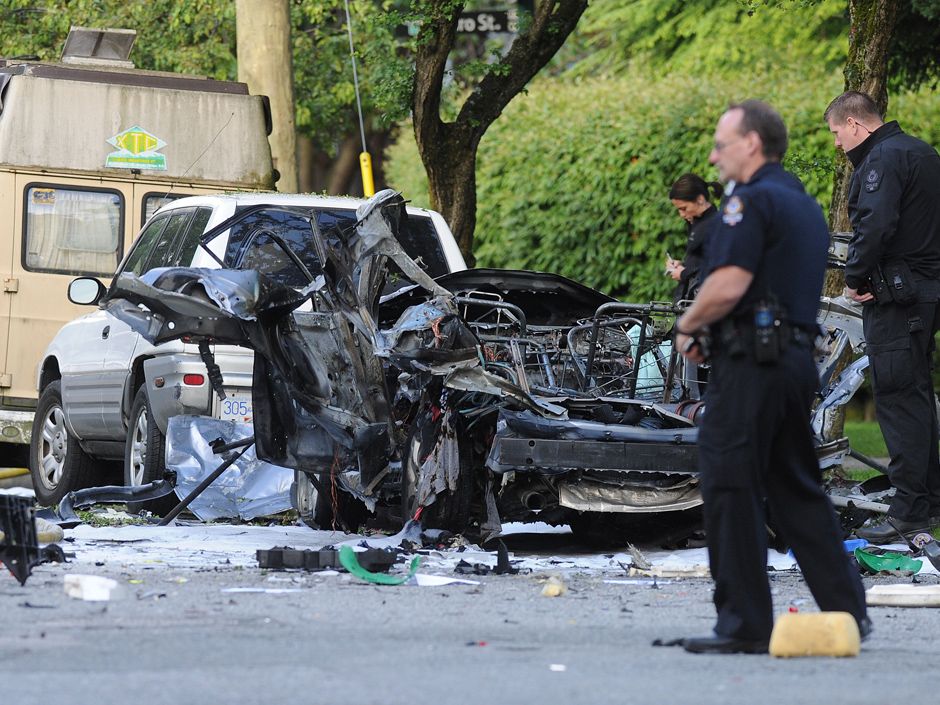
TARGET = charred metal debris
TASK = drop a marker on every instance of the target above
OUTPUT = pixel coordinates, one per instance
(480, 397)
(20, 551)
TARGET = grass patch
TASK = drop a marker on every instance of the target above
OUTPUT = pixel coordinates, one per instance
(866, 438)
(860, 474)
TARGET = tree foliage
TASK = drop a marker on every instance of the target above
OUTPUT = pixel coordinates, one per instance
(574, 178)
(185, 36)
(709, 37)
(448, 147)
(717, 36)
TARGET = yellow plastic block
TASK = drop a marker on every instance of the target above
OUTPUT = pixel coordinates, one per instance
(815, 634)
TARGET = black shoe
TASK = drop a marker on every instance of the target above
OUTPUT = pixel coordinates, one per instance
(883, 532)
(723, 645)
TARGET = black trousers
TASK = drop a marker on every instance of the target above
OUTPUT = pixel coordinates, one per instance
(899, 342)
(756, 457)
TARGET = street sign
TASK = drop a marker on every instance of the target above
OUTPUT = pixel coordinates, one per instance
(484, 22)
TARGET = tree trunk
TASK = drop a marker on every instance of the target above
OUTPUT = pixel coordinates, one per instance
(866, 70)
(448, 150)
(262, 31)
(346, 169)
(306, 164)
(452, 186)
(872, 25)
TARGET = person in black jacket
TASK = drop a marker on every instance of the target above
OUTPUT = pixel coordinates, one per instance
(757, 304)
(691, 195)
(893, 268)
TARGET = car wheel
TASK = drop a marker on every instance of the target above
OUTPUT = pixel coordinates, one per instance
(57, 462)
(337, 510)
(316, 510)
(303, 498)
(144, 452)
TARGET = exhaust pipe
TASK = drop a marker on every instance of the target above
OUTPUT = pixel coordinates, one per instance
(533, 500)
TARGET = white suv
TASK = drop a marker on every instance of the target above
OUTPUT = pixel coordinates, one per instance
(106, 394)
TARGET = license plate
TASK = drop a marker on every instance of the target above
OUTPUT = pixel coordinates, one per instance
(236, 407)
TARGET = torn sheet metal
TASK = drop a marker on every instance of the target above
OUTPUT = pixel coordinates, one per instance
(840, 313)
(440, 471)
(249, 488)
(839, 393)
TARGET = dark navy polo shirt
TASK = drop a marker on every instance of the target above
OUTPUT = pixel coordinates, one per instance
(773, 229)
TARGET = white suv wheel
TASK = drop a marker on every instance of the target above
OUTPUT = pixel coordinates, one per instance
(53, 447)
(138, 457)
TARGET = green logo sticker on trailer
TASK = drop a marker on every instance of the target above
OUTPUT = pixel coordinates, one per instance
(137, 149)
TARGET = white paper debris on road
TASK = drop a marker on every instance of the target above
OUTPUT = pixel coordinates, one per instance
(424, 580)
(266, 591)
(91, 588)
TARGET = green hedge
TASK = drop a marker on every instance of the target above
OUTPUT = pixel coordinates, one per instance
(573, 177)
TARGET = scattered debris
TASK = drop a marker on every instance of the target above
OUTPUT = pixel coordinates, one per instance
(91, 588)
(19, 549)
(282, 557)
(554, 587)
(266, 591)
(903, 595)
(638, 559)
(424, 580)
(348, 558)
(669, 642)
(886, 562)
(248, 488)
(47, 532)
(19, 540)
(503, 566)
(697, 571)
(465, 568)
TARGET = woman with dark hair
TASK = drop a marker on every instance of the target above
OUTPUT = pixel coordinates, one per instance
(691, 195)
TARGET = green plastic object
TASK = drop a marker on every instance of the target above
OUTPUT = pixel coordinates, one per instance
(886, 562)
(347, 556)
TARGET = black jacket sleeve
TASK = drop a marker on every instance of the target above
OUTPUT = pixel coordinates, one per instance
(880, 183)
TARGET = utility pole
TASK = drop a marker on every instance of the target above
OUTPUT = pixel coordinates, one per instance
(265, 64)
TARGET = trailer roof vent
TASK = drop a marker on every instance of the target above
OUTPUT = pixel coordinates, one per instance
(99, 47)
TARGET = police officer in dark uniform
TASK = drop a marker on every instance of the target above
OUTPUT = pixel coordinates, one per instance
(766, 261)
(893, 268)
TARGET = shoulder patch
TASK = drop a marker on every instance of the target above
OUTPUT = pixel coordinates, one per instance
(733, 212)
(872, 180)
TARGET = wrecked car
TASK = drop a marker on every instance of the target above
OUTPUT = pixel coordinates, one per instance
(464, 401)
(105, 394)
(479, 397)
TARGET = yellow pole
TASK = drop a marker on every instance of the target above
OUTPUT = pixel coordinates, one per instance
(365, 165)
(6, 473)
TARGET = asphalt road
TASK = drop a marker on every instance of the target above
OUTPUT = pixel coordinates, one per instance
(176, 636)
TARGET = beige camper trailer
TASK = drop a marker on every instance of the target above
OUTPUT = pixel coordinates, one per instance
(87, 154)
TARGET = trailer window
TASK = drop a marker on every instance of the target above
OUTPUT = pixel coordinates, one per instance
(72, 231)
(155, 201)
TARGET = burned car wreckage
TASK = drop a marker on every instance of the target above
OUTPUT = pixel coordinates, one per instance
(481, 397)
